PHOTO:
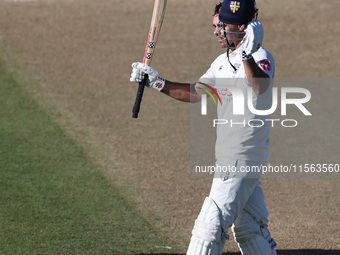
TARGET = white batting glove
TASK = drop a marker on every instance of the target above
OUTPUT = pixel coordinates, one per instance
(140, 69)
(252, 40)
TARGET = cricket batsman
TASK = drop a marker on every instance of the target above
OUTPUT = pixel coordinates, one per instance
(235, 200)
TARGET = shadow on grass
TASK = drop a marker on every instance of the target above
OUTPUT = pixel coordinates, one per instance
(307, 252)
(279, 252)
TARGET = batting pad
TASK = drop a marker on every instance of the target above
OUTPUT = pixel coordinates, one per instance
(257, 246)
(207, 236)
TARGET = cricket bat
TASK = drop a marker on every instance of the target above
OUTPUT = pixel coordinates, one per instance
(155, 28)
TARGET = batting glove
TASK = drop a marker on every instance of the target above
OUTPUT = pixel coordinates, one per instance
(138, 72)
(252, 40)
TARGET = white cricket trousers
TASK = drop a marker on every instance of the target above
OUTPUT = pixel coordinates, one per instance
(240, 191)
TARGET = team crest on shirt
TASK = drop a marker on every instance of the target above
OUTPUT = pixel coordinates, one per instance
(265, 65)
(225, 176)
(237, 66)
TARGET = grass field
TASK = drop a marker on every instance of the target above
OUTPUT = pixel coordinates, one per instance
(80, 176)
(54, 200)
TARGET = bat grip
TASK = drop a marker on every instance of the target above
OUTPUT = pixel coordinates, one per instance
(139, 97)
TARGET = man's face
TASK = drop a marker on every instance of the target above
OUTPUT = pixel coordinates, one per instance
(234, 34)
(234, 38)
(222, 41)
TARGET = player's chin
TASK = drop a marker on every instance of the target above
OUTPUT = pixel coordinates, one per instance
(222, 45)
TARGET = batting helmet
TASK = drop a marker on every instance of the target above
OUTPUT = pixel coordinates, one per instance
(238, 12)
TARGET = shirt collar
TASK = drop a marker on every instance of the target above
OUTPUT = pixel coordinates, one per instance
(234, 53)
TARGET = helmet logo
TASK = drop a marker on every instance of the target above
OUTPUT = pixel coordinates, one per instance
(234, 6)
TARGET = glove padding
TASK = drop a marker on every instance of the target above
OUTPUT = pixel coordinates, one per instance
(138, 72)
(253, 38)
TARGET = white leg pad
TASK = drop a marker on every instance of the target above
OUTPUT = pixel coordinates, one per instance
(256, 246)
(266, 234)
(208, 237)
(252, 238)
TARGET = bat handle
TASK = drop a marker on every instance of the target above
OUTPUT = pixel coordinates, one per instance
(139, 97)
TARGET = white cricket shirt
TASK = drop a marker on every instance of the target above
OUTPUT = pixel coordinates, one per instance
(243, 137)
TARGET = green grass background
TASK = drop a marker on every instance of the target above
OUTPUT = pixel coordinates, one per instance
(53, 199)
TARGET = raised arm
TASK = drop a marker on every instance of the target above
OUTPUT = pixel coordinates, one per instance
(257, 78)
(252, 41)
(184, 92)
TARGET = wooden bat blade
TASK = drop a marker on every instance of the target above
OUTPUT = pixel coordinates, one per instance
(155, 28)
